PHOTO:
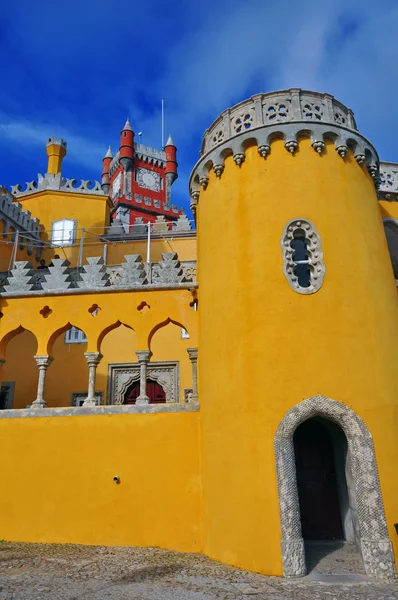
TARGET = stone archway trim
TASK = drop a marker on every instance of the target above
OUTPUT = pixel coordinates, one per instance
(375, 545)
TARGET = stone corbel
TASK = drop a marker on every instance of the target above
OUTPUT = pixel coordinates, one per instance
(318, 146)
(291, 146)
(264, 150)
(218, 169)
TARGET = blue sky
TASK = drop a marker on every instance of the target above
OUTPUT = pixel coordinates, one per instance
(78, 68)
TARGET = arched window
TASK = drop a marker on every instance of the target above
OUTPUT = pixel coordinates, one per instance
(63, 232)
(154, 390)
(303, 264)
(391, 231)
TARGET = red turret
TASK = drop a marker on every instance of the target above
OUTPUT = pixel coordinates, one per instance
(127, 146)
(106, 165)
(171, 160)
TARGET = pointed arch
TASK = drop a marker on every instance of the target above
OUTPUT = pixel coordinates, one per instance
(53, 337)
(10, 335)
(375, 544)
(163, 324)
(108, 329)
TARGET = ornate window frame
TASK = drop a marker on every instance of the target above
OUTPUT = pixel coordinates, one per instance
(122, 375)
(315, 255)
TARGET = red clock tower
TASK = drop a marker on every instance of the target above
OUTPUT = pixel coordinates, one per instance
(139, 179)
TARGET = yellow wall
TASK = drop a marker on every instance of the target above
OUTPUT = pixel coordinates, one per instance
(7, 249)
(156, 326)
(185, 248)
(89, 210)
(265, 348)
(65, 467)
(21, 369)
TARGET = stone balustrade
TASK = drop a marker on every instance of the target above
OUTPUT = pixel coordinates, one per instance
(273, 108)
(96, 276)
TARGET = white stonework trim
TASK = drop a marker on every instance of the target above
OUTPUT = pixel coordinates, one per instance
(106, 410)
(375, 544)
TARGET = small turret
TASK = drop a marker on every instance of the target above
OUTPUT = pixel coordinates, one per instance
(171, 161)
(106, 164)
(56, 151)
(127, 146)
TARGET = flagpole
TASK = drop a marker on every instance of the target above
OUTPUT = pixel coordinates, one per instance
(162, 123)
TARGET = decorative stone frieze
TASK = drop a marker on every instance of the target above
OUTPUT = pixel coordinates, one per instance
(182, 224)
(375, 544)
(20, 279)
(132, 272)
(160, 225)
(306, 231)
(289, 115)
(59, 277)
(169, 271)
(274, 108)
(49, 181)
(94, 274)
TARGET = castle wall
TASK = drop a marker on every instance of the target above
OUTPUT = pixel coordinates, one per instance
(264, 347)
(64, 490)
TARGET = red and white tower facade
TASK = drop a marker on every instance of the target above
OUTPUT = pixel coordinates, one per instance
(139, 179)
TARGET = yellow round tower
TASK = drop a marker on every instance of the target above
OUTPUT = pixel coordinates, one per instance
(298, 338)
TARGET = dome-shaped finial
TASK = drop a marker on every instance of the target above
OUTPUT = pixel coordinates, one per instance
(127, 126)
(170, 141)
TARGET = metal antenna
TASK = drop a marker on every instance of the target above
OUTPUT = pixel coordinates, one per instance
(162, 123)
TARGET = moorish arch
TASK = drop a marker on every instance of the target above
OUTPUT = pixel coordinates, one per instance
(374, 542)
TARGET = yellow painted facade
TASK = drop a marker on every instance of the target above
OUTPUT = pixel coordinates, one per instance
(340, 342)
(210, 475)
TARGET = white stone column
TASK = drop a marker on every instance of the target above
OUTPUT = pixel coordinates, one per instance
(143, 358)
(43, 362)
(93, 359)
(193, 357)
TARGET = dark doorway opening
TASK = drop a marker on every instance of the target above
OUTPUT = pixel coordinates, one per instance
(317, 482)
(154, 390)
(328, 512)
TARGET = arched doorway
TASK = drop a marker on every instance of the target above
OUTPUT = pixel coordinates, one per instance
(367, 516)
(154, 391)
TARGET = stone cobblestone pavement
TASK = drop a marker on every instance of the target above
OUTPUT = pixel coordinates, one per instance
(68, 572)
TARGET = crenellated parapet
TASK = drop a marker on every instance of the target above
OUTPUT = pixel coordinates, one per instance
(145, 153)
(289, 115)
(60, 278)
(56, 182)
(15, 217)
